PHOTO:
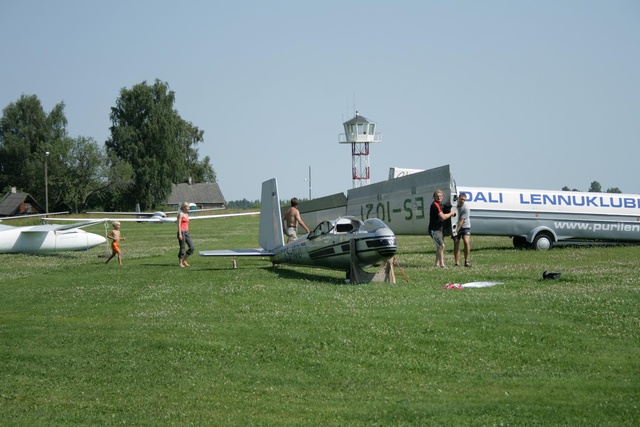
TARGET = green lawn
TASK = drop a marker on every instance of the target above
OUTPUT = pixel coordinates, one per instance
(149, 343)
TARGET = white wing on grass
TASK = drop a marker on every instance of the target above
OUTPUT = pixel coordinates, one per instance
(236, 252)
(480, 284)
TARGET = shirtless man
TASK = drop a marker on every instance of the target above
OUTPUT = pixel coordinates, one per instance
(291, 220)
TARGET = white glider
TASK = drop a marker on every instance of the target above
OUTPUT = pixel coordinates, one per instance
(48, 238)
(157, 218)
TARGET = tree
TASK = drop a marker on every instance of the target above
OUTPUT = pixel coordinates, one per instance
(203, 172)
(86, 173)
(26, 134)
(243, 204)
(595, 187)
(149, 134)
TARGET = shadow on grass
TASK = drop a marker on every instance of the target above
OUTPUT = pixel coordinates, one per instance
(449, 247)
(291, 274)
(283, 272)
(55, 255)
(164, 263)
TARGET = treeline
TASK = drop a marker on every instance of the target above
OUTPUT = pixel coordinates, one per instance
(248, 204)
(595, 187)
(243, 204)
(150, 148)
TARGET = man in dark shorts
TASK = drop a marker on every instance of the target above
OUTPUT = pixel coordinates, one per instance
(436, 224)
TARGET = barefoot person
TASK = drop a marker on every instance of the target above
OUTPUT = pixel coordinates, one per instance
(464, 231)
(115, 237)
(291, 219)
(184, 238)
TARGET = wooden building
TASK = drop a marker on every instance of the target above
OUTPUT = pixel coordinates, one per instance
(204, 195)
(17, 203)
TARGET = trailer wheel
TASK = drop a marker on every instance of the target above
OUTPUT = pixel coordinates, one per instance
(519, 242)
(542, 241)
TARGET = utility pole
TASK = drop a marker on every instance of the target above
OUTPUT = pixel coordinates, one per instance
(309, 182)
(46, 181)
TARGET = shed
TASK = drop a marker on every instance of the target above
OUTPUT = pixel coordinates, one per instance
(15, 203)
(204, 195)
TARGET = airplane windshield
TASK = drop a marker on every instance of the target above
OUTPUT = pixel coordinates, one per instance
(323, 228)
(373, 224)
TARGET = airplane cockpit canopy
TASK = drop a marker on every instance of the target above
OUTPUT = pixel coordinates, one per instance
(323, 228)
(348, 224)
(373, 224)
(345, 224)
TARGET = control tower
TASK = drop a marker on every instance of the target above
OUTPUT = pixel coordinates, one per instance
(359, 132)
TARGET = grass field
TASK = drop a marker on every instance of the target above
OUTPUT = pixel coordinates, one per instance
(149, 343)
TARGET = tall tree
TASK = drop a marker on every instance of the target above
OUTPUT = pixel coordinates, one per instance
(86, 173)
(202, 171)
(595, 187)
(149, 134)
(27, 133)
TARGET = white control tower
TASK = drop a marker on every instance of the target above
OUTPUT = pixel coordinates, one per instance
(359, 132)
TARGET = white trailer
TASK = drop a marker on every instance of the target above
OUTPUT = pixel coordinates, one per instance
(533, 218)
(540, 218)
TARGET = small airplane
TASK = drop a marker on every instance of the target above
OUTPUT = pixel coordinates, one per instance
(152, 217)
(345, 243)
(48, 238)
(157, 216)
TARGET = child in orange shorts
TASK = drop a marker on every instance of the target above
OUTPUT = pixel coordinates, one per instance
(115, 242)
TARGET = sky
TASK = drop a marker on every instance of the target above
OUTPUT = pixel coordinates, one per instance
(522, 94)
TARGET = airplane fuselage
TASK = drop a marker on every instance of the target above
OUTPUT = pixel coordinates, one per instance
(32, 239)
(329, 245)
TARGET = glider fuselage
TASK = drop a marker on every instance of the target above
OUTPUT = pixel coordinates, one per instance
(329, 245)
(46, 238)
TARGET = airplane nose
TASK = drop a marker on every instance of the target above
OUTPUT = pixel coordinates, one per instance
(385, 242)
(388, 247)
(385, 245)
(94, 240)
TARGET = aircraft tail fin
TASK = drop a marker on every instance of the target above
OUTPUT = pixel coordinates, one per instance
(271, 235)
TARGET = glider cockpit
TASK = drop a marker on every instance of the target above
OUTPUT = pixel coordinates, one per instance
(342, 225)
